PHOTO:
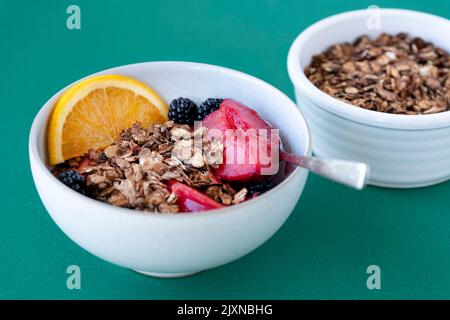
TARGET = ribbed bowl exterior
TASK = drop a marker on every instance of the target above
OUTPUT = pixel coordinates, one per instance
(398, 158)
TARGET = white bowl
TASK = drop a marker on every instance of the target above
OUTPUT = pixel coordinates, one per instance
(403, 151)
(174, 245)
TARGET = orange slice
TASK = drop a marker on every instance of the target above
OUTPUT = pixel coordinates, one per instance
(92, 113)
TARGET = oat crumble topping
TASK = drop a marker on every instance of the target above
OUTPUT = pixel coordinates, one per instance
(393, 74)
(132, 172)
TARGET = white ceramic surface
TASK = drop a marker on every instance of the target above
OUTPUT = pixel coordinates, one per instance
(178, 244)
(402, 151)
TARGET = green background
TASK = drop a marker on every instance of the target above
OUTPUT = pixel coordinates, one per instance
(326, 245)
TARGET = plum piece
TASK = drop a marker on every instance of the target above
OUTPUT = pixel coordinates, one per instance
(84, 164)
(237, 165)
(242, 117)
(242, 153)
(231, 170)
(191, 200)
(217, 124)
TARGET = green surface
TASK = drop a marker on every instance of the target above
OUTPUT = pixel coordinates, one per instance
(324, 248)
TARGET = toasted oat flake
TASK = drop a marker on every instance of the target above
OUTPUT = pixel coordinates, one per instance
(240, 196)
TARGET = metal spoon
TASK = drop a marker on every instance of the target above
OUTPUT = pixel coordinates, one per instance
(349, 173)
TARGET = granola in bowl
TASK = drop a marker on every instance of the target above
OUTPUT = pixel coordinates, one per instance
(395, 74)
(176, 166)
(133, 171)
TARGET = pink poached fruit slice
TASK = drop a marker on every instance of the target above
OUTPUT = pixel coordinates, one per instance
(85, 163)
(242, 154)
(191, 200)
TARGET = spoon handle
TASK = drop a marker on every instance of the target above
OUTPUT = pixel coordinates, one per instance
(349, 173)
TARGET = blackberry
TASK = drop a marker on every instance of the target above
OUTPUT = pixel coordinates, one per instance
(208, 106)
(182, 111)
(259, 186)
(73, 180)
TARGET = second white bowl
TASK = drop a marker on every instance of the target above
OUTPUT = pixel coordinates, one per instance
(403, 151)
